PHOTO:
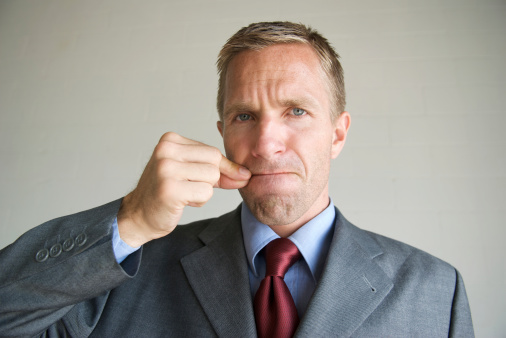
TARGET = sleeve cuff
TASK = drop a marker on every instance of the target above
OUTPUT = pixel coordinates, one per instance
(120, 248)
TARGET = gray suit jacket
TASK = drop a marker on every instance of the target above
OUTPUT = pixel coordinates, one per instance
(194, 283)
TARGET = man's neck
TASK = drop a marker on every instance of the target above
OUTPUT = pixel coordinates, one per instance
(288, 229)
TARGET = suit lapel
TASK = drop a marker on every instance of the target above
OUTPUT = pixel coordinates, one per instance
(218, 274)
(351, 287)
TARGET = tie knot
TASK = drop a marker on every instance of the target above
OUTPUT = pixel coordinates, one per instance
(280, 255)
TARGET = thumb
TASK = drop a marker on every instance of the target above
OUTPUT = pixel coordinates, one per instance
(233, 175)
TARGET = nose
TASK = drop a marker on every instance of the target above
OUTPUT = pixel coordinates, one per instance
(269, 141)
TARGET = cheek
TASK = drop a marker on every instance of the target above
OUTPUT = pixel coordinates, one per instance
(236, 148)
(314, 151)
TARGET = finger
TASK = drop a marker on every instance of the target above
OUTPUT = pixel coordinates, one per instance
(195, 193)
(233, 170)
(198, 153)
(176, 138)
(189, 171)
(233, 175)
(228, 183)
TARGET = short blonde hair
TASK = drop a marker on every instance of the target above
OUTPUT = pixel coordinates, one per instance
(264, 34)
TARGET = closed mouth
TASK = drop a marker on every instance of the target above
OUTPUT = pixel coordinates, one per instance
(269, 174)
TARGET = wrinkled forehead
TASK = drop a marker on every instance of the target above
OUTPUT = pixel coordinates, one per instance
(276, 57)
(294, 64)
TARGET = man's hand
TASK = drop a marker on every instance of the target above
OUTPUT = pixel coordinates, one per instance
(180, 172)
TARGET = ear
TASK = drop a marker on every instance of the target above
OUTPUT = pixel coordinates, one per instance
(341, 126)
(219, 124)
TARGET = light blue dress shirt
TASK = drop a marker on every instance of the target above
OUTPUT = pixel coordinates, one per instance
(313, 241)
(121, 249)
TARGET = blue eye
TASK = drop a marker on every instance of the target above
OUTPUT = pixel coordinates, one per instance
(298, 111)
(243, 117)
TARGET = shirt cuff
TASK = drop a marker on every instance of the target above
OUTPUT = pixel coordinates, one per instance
(120, 248)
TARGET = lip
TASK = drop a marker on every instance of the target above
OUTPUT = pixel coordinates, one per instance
(270, 174)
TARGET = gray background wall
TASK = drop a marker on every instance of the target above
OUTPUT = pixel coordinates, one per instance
(88, 87)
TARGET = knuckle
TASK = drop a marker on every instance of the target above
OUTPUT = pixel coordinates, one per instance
(159, 149)
(170, 136)
(208, 173)
(214, 174)
(166, 167)
(201, 195)
(216, 155)
(206, 193)
(166, 149)
(167, 191)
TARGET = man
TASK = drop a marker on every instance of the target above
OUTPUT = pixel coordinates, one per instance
(281, 106)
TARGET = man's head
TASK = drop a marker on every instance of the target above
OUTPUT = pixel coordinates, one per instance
(264, 34)
(277, 121)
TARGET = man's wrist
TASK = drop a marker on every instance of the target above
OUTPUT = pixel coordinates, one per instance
(129, 229)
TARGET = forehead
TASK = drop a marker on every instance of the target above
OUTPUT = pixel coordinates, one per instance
(283, 69)
(294, 58)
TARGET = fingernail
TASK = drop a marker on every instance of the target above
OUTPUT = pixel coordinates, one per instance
(244, 171)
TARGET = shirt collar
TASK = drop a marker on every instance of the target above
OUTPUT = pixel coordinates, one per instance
(312, 239)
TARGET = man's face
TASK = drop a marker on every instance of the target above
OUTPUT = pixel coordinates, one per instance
(277, 123)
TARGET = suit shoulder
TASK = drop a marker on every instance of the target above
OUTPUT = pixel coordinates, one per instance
(398, 258)
(424, 295)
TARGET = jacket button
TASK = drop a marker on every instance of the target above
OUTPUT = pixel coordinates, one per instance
(81, 239)
(42, 255)
(55, 250)
(68, 244)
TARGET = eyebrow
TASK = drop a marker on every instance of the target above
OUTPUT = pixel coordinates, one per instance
(305, 102)
(238, 107)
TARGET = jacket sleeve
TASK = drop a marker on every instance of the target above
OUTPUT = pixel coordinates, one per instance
(55, 279)
(461, 324)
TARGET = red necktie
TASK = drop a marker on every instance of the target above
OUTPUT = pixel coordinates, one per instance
(275, 312)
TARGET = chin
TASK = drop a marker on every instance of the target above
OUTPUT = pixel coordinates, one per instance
(273, 209)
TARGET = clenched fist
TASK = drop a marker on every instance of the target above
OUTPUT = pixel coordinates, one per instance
(180, 172)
